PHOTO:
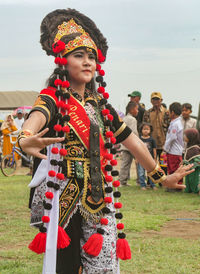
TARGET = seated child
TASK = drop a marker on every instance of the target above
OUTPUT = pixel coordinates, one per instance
(145, 136)
(192, 156)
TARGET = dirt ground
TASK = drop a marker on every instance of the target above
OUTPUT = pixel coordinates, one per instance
(185, 225)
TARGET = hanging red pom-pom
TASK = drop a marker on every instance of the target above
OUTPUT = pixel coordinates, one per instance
(58, 46)
(49, 195)
(108, 200)
(120, 226)
(113, 162)
(118, 205)
(110, 117)
(108, 156)
(57, 128)
(67, 107)
(63, 61)
(45, 219)
(54, 150)
(60, 176)
(109, 134)
(58, 82)
(123, 250)
(113, 140)
(101, 89)
(98, 67)
(101, 58)
(94, 245)
(106, 95)
(63, 239)
(108, 178)
(60, 104)
(52, 173)
(105, 111)
(66, 129)
(65, 84)
(38, 245)
(63, 152)
(116, 183)
(57, 60)
(104, 221)
(101, 72)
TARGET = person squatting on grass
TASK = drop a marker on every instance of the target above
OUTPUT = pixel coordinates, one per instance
(71, 131)
(192, 156)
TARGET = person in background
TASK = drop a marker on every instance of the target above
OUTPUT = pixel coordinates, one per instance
(174, 140)
(126, 156)
(8, 127)
(19, 120)
(135, 96)
(158, 117)
(187, 121)
(145, 136)
(192, 156)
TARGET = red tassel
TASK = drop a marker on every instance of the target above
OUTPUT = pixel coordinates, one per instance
(94, 245)
(38, 245)
(63, 239)
(123, 249)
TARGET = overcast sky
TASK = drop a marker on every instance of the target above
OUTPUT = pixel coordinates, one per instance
(154, 45)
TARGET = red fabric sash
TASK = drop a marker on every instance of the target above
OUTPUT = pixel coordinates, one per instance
(80, 123)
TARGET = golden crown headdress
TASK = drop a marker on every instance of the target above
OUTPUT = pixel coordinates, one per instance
(84, 40)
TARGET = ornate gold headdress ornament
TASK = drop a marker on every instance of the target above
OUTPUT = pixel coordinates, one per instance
(84, 40)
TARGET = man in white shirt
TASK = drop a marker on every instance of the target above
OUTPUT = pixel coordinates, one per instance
(174, 139)
(20, 119)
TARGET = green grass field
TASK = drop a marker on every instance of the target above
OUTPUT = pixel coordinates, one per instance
(147, 218)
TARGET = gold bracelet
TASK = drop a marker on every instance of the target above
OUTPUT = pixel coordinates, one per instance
(25, 133)
(157, 175)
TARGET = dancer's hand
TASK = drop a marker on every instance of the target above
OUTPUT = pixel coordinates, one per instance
(34, 144)
(173, 179)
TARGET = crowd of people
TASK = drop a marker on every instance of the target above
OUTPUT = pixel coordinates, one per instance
(9, 130)
(170, 135)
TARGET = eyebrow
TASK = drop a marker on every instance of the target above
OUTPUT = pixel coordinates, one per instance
(78, 51)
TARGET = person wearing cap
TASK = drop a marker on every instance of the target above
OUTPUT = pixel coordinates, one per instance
(135, 96)
(19, 120)
(158, 117)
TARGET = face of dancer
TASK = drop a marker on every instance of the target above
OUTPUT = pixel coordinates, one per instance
(81, 67)
(146, 130)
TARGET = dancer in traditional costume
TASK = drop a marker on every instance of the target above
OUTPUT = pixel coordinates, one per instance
(71, 131)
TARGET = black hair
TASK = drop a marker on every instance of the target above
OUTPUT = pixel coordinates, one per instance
(130, 105)
(187, 106)
(176, 108)
(164, 105)
(193, 136)
(145, 124)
